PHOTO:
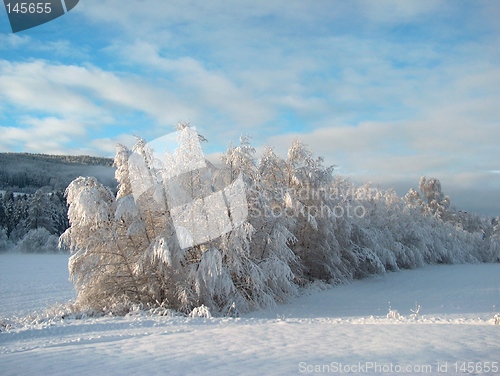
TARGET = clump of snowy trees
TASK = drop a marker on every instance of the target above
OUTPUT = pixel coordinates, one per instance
(302, 224)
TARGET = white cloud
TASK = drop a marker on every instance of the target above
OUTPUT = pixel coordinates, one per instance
(86, 92)
(39, 86)
(10, 41)
(207, 89)
(42, 135)
(88, 95)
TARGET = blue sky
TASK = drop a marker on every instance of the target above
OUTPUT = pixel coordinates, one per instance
(386, 90)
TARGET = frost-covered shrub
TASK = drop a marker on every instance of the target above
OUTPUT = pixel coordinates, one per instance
(394, 314)
(201, 311)
(38, 241)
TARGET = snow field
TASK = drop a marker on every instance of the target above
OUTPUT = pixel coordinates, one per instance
(239, 346)
(331, 330)
(33, 282)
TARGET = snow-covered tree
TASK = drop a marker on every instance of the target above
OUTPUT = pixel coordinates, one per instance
(40, 211)
(495, 241)
(17, 209)
(102, 269)
(3, 213)
(436, 202)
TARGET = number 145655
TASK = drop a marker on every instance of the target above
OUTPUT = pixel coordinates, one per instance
(473, 367)
(29, 8)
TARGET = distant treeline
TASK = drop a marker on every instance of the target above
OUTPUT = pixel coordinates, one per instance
(67, 159)
(26, 173)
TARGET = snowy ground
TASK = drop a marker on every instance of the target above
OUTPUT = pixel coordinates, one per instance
(340, 329)
(32, 282)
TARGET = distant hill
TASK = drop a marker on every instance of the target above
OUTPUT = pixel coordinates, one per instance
(24, 172)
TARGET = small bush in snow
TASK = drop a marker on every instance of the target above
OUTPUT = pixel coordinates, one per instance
(201, 311)
(393, 314)
(38, 241)
(496, 319)
(415, 312)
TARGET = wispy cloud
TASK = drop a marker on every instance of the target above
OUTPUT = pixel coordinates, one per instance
(84, 95)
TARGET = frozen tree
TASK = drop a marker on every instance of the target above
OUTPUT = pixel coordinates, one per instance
(297, 191)
(100, 266)
(239, 159)
(495, 241)
(436, 202)
(38, 216)
(41, 211)
(257, 253)
(413, 199)
(18, 209)
(59, 212)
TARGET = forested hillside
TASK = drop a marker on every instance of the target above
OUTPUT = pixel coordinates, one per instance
(23, 172)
